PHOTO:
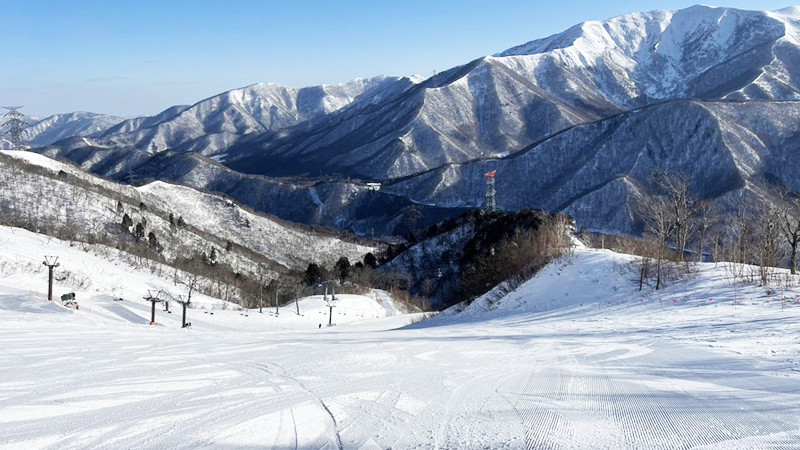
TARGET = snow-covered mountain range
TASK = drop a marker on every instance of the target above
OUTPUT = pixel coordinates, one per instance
(501, 104)
(576, 122)
(212, 125)
(39, 132)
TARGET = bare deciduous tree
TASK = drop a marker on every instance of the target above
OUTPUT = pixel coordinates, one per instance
(681, 207)
(789, 213)
(428, 287)
(191, 281)
(656, 213)
(769, 251)
(708, 215)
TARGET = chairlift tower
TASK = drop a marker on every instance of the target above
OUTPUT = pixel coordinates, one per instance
(51, 262)
(153, 298)
(330, 301)
(490, 204)
(182, 300)
(184, 304)
(14, 121)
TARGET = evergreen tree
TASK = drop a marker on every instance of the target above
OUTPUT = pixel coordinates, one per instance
(127, 222)
(313, 274)
(153, 242)
(343, 268)
(370, 261)
(138, 232)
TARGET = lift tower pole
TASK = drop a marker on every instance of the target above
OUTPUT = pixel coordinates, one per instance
(51, 262)
(153, 298)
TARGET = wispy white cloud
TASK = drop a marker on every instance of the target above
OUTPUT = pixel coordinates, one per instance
(105, 79)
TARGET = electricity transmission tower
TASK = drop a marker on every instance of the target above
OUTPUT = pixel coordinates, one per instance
(491, 203)
(14, 121)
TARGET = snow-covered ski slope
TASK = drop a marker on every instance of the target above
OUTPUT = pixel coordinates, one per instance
(100, 276)
(575, 358)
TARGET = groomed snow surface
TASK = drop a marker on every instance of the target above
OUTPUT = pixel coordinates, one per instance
(575, 358)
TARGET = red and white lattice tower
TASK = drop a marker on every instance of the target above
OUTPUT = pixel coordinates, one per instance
(491, 203)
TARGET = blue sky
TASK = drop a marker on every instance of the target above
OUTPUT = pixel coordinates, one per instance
(139, 57)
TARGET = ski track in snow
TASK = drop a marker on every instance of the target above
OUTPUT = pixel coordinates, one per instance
(572, 375)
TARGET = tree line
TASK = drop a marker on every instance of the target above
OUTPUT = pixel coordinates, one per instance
(760, 230)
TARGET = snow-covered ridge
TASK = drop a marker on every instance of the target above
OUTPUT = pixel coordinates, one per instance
(221, 217)
(41, 132)
(659, 54)
(215, 123)
(214, 216)
(504, 103)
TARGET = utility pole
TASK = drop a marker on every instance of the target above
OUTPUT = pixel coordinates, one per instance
(51, 262)
(153, 298)
(491, 203)
(14, 122)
